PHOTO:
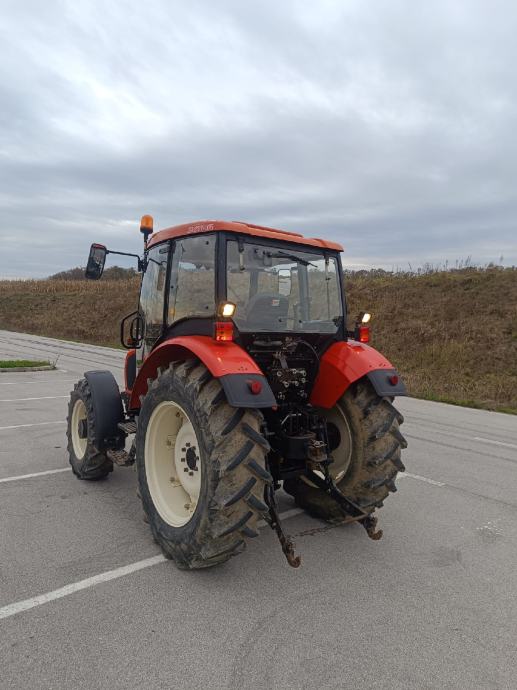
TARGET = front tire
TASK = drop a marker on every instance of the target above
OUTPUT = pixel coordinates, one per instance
(366, 455)
(86, 460)
(201, 467)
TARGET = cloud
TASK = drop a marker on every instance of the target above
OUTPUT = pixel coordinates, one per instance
(389, 127)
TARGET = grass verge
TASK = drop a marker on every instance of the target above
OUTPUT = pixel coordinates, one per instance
(16, 363)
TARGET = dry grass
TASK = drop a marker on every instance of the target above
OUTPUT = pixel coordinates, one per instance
(86, 311)
(453, 334)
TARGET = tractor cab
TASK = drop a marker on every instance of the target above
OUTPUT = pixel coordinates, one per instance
(268, 296)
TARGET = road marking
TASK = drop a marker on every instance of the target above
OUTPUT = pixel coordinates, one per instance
(33, 602)
(496, 443)
(22, 426)
(420, 478)
(44, 397)
(26, 604)
(34, 474)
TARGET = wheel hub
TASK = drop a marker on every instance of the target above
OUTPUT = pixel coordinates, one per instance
(186, 461)
(340, 442)
(82, 428)
(190, 457)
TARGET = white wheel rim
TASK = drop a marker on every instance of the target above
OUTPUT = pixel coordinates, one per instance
(78, 415)
(172, 463)
(342, 453)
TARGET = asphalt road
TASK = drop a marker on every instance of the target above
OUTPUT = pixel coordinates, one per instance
(432, 605)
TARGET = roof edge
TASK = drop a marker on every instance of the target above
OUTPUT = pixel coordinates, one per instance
(203, 226)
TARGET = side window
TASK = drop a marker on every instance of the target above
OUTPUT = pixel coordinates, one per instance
(192, 285)
(324, 298)
(152, 294)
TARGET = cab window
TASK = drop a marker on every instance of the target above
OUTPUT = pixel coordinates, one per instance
(152, 294)
(192, 284)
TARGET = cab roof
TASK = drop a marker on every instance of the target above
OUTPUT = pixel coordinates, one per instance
(240, 228)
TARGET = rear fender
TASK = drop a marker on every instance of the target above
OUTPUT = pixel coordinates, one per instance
(226, 361)
(348, 361)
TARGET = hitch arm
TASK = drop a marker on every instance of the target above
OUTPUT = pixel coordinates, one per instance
(273, 521)
(348, 507)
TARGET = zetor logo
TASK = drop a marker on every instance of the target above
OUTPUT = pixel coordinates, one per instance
(201, 228)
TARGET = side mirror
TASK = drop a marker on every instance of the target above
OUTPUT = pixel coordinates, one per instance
(96, 261)
(284, 281)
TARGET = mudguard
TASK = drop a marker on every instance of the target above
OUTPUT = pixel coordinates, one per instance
(346, 362)
(226, 361)
(130, 370)
(107, 409)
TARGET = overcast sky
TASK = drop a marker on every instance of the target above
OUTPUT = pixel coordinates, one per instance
(388, 126)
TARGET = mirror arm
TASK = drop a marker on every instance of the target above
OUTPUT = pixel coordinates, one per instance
(141, 262)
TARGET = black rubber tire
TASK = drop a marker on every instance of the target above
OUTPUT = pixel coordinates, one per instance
(95, 464)
(376, 448)
(233, 460)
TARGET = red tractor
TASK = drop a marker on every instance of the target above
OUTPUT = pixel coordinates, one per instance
(241, 377)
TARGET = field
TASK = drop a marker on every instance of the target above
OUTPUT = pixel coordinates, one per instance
(452, 334)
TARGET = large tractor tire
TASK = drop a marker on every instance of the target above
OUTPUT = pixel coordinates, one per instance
(87, 462)
(201, 467)
(365, 443)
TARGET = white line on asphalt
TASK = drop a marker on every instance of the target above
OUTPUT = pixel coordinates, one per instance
(420, 478)
(20, 426)
(26, 604)
(44, 397)
(34, 474)
(496, 443)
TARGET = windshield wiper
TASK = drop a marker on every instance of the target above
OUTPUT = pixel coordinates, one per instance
(293, 257)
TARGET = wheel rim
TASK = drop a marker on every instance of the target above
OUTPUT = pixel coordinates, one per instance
(340, 440)
(78, 415)
(172, 463)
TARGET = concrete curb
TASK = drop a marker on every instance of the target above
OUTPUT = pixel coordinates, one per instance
(10, 370)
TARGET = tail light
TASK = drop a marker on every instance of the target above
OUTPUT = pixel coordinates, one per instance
(223, 331)
(364, 334)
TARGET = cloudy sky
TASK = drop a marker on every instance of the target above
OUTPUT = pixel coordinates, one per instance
(389, 126)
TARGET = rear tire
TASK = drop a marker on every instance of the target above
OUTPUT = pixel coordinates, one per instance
(374, 447)
(227, 448)
(86, 460)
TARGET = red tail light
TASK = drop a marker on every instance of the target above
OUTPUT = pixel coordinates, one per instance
(223, 331)
(364, 334)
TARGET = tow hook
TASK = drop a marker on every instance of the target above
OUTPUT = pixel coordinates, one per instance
(370, 523)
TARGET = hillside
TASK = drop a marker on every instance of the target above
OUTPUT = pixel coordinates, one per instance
(453, 334)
